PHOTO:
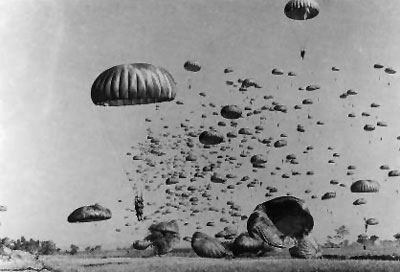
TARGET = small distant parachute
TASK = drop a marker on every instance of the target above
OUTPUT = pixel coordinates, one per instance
(228, 70)
(211, 137)
(90, 213)
(133, 84)
(192, 66)
(394, 173)
(257, 159)
(328, 195)
(231, 112)
(360, 201)
(292, 74)
(301, 9)
(3, 208)
(283, 216)
(277, 72)
(313, 87)
(365, 186)
(378, 66)
(335, 69)
(390, 71)
(371, 221)
(306, 248)
(280, 143)
(369, 127)
(207, 246)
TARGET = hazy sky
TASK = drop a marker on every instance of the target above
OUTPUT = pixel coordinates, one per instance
(60, 152)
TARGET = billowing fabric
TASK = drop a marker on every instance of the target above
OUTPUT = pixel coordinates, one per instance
(132, 84)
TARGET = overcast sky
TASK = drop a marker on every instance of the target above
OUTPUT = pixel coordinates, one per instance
(58, 151)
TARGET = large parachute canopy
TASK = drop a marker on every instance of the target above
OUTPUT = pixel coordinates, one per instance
(301, 9)
(90, 213)
(132, 84)
(279, 217)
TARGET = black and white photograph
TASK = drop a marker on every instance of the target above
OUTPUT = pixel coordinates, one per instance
(199, 135)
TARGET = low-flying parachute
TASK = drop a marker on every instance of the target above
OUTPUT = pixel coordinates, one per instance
(207, 246)
(365, 186)
(306, 248)
(301, 9)
(283, 216)
(192, 66)
(132, 84)
(90, 213)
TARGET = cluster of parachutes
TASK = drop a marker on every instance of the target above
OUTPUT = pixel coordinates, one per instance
(193, 167)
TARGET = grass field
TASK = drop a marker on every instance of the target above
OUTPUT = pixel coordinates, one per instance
(67, 263)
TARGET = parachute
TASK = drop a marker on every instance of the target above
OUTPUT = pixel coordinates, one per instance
(328, 195)
(301, 9)
(3, 208)
(245, 244)
(133, 84)
(306, 248)
(207, 246)
(283, 216)
(192, 66)
(163, 236)
(211, 137)
(277, 72)
(231, 112)
(141, 244)
(89, 214)
(372, 221)
(360, 201)
(365, 186)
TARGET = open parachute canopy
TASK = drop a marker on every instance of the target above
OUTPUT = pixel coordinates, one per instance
(90, 213)
(365, 186)
(301, 9)
(279, 217)
(132, 84)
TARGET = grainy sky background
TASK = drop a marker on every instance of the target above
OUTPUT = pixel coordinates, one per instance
(59, 152)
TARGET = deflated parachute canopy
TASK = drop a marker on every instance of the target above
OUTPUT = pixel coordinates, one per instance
(132, 84)
(284, 216)
(89, 213)
(207, 246)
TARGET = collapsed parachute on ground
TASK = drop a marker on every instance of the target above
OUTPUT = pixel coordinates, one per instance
(306, 248)
(163, 236)
(141, 244)
(301, 9)
(245, 244)
(279, 217)
(192, 66)
(132, 84)
(207, 246)
(89, 213)
(365, 186)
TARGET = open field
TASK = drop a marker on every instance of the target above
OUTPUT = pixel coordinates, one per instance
(66, 263)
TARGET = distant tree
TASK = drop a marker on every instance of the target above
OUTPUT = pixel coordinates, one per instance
(74, 249)
(47, 248)
(88, 249)
(338, 239)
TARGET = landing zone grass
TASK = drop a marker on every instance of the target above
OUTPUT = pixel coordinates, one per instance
(180, 264)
